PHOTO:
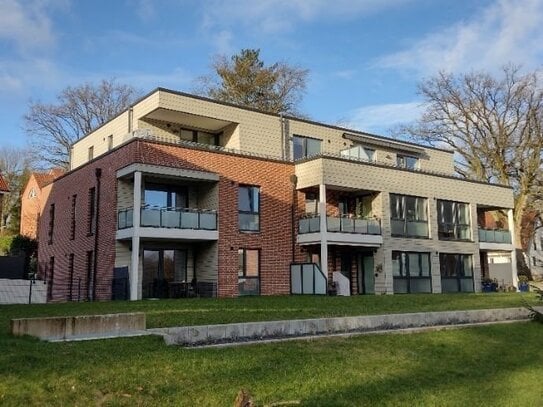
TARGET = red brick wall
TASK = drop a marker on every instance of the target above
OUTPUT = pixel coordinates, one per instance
(274, 238)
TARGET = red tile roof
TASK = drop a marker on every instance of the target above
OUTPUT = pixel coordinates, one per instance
(45, 178)
(3, 184)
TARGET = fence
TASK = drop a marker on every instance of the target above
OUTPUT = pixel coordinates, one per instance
(307, 278)
(19, 291)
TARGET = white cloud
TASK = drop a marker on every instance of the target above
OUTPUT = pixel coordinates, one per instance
(223, 42)
(345, 74)
(506, 31)
(380, 118)
(145, 10)
(275, 16)
(26, 25)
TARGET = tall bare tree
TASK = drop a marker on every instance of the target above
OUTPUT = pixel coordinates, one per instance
(494, 125)
(243, 79)
(52, 128)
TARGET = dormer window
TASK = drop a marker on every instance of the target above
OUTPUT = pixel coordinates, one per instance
(32, 193)
(407, 161)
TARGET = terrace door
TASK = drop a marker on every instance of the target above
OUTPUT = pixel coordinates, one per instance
(366, 277)
(161, 268)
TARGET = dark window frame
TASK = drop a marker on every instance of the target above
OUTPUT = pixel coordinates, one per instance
(243, 275)
(401, 161)
(90, 153)
(459, 271)
(406, 275)
(255, 212)
(304, 140)
(406, 218)
(110, 142)
(91, 220)
(73, 217)
(445, 233)
(51, 229)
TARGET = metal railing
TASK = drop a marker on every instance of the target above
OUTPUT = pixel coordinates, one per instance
(163, 217)
(341, 224)
(494, 236)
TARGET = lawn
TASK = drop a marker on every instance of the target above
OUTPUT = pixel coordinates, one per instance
(207, 311)
(492, 365)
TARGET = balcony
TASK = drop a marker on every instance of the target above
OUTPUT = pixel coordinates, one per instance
(409, 228)
(340, 230)
(172, 223)
(495, 239)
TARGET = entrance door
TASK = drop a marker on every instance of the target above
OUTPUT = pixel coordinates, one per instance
(366, 277)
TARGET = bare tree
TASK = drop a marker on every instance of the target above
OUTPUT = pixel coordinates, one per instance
(53, 128)
(14, 166)
(493, 125)
(243, 79)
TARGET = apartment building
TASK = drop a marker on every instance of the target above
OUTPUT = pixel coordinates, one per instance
(187, 195)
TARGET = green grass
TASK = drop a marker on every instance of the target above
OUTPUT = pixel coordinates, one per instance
(210, 311)
(495, 365)
(498, 365)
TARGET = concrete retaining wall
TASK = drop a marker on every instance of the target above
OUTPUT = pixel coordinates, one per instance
(193, 335)
(85, 326)
(17, 292)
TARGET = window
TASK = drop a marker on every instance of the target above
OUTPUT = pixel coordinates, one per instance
(71, 274)
(311, 203)
(51, 223)
(51, 277)
(32, 193)
(249, 271)
(406, 161)
(92, 211)
(456, 272)
(411, 272)
(359, 153)
(109, 142)
(90, 277)
(453, 218)
(72, 214)
(91, 153)
(249, 208)
(305, 147)
(165, 196)
(409, 216)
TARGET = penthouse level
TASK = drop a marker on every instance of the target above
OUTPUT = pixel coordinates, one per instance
(189, 196)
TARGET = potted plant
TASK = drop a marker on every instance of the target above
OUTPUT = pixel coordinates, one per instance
(523, 283)
(489, 285)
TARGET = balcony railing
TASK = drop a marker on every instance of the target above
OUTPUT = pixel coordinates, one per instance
(409, 228)
(494, 236)
(454, 231)
(341, 224)
(176, 218)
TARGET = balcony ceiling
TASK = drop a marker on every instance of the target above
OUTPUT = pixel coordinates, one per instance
(188, 120)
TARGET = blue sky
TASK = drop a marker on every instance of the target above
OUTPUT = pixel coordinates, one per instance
(365, 57)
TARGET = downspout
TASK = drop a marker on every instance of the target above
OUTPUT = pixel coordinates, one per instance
(294, 181)
(98, 173)
(283, 151)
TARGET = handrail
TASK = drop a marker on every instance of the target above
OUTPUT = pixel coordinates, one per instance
(311, 224)
(168, 217)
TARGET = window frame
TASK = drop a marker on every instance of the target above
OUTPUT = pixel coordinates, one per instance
(455, 224)
(51, 229)
(405, 273)
(90, 153)
(459, 271)
(91, 220)
(304, 140)
(400, 213)
(242, 270)
(253, 211)
(73, 217)
(402, 159)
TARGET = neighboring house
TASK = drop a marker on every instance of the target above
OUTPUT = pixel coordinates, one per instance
(190, 194)
(4, 189)
(35, 193)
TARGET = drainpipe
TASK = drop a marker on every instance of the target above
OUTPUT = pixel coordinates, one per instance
(282, 136)
(98, 173)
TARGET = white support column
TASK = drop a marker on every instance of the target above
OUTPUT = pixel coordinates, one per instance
(135, 256)
(323, 229)
(511, 222)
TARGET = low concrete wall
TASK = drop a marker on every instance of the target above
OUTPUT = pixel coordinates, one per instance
(84, 326)
(193, 335)
(17, 291)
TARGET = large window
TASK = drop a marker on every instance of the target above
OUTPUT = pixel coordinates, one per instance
(456, 272)
(359, 153)
(165, 196)
(411, 272)
(249, 271)
(409, 216)
(454, 221)
(249, 208)
(305, 147)
(406, 161)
